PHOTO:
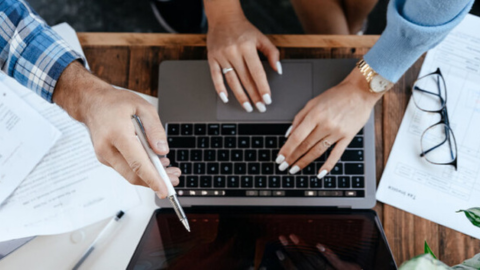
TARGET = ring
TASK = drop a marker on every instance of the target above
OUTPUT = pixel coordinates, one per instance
(226, 70)
(326, 144)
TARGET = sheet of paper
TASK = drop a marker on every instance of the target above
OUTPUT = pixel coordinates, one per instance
(432, 191)
(69, 189)
(25, 137)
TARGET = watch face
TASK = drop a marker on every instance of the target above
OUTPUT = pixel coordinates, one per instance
(378, 84)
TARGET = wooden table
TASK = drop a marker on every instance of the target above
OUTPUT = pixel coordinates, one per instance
(131, 61)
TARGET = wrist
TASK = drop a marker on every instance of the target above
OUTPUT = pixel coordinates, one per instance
(361, 87)
(74, 90)
(220, 12)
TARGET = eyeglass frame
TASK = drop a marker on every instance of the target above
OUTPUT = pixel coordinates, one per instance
(444, 119)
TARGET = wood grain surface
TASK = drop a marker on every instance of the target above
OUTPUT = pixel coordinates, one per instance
(131, 61)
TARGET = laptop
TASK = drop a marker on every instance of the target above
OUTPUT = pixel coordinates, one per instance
(227, 155)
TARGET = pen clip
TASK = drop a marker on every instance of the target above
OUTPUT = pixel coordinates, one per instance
(140, 124)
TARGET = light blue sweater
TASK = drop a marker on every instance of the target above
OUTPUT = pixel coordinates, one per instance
(413, 27)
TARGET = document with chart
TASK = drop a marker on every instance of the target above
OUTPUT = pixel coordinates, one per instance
(436, 192)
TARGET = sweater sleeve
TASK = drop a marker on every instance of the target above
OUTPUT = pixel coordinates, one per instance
(413, 27)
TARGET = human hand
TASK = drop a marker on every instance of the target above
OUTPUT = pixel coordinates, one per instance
(232, 42)
(333, 117)
(107, 112)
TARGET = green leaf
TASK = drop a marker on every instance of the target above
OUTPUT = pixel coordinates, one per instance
(424, 262)
(428, 250)
(473, 214)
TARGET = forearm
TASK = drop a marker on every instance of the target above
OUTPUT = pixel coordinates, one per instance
(223, 11)
(413, 27)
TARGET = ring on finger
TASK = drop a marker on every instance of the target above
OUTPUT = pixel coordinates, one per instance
(226, 70)
(326, 144)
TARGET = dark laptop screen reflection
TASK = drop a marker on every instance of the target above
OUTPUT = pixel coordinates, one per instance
(254, 241)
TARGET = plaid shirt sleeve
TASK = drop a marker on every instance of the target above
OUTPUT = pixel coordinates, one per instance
(30, 51)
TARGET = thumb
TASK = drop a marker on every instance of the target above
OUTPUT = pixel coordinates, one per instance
(271, 52)
(153, 129)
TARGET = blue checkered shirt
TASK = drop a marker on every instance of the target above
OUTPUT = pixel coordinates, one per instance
(30, 51)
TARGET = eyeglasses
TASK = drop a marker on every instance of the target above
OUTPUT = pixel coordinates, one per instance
(438, 143)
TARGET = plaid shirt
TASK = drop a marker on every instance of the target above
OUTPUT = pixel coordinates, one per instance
(30, 51)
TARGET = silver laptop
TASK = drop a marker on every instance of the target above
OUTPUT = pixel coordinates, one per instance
(227, 155)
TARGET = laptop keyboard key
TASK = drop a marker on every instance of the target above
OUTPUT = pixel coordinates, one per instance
(279, 172)
(229, 129)
(205, 181)
(274, 182)
(257, 142)
(217, 142)
(203, 142)
(223, 155)
(182, 155)
(310, 169)
(226, 168)
(262, 129)
(352, 155)
(358, 182)
(172, 157)
(199, 168)
(233, 181)
(181, 182)
(186, 168)
(330, 182)
(260, 181)
(243, 142)
(337, 169)
(315, 182)
(192, 181)
(288, 181)
(246, 181)
(271, 142)
(219, 181)
(173, 129)
(196, 155)
(209, 155)
(354, 168)
(181, 142)
(264, 155)
(200, 129)
(250, 155)
(344, 182)
(281, 141)
(237, 155)
(214, 129)
(357, 142)
(186, 129)
(212, 168)
(267, 168)
(254, 168)
(240, 168)
(301, 182)
(230, 142)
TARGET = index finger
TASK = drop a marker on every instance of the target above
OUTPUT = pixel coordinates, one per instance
(132, 150)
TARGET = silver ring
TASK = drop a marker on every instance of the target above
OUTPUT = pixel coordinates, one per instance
(326, 144)
(226, 70)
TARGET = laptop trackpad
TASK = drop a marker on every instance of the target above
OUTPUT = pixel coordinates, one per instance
(290, 92)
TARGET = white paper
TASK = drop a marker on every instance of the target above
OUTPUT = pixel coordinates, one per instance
(25, 137)
(69, 189)
(436, 192)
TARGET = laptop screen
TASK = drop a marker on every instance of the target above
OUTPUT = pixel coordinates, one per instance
(263, 238)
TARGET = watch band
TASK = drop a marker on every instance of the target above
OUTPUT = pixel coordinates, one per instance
(366, 70)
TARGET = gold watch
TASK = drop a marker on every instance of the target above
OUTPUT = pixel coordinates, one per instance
(376, 82)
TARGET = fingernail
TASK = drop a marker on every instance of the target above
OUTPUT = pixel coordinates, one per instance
(288, 131)
(280, 159)
(280, 255)
(283, 166)
(177, 173)
(283, 240)
(162, 146)
(279, 68)
(322, 174)
(247, 106)
(223, 97)
(294, 170)
(261, 107)
(321, 248)
(267, 99)
(294, 239)
(160, 195)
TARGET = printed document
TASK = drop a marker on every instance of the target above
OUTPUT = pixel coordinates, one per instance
(69, 188)
(25, 137)
(436, 192)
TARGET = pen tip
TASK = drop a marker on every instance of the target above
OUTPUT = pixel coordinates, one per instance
(185, 223)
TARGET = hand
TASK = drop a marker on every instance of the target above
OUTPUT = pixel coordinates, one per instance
(107, 112)
(232, 42)
(334, 117)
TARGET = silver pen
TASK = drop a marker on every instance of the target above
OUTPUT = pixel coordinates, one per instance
(172, 194)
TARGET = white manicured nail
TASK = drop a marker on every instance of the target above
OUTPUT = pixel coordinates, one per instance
(267, 99)
(223, 97)
(261, 107)
(322, 174)
(279, 68)
(280, 159)
(247, 106)
(283, 166)
(294, 170)
(288, 131)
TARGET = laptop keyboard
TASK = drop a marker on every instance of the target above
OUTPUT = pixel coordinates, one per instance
(238, 160)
